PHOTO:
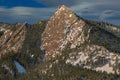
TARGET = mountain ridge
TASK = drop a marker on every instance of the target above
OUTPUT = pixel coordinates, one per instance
(65, 28)
(64, 39)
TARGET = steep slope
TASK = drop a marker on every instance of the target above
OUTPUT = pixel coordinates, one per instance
(30, 53)
(94, 45)
(12, 40)
(61, 29)
(20, 42)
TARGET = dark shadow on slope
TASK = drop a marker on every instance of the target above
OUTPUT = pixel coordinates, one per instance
(101, 37)
(31, 54)
(1, 33)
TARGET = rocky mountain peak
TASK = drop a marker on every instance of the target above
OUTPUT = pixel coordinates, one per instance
(90, 41)
(63, 8)
(61, 29)
(65, 13)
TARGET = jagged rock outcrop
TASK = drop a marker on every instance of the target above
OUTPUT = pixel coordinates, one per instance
(62, 28)
(11, 41)
(94, 39)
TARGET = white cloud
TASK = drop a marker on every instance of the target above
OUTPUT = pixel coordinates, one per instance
(21, 11)
(1, 8)
(26, 13)
(93, 9)
(83, 7)
(106, 14)
(109, 14)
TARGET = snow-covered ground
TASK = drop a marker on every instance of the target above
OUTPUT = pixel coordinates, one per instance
(91, 54)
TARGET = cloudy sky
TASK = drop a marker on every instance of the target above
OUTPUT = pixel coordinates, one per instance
(33, 11)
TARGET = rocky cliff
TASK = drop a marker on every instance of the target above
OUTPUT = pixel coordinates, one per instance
(98, 43)
(12, 40)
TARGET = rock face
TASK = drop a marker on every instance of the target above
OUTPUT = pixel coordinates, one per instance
(11, 41)
(63, 27)
(98, 42)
